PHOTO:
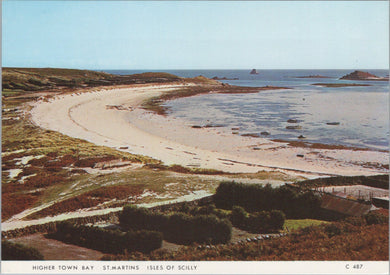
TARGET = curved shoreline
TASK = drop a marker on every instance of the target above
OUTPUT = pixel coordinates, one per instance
(87, 116)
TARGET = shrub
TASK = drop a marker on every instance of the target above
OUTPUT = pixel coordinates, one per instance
(16, 251)
(357, 221)
(376, 218)
(179, 227)
(254, 198)
(258, 222)
(209, 209)
(238, 216)
(333, 229)
(368, 243)
(277, 219)
(107, 241)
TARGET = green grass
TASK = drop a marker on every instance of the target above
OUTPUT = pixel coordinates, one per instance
(293, 224)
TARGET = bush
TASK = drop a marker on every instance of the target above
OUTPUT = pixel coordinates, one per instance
(376, 218)
(277, 220)
(179, 227)
(333, 229)
(357, 221)
(254, 198)
(258, 222)
(16, 251)
(107, 241)
(238, 216)
(209, 209)
(143, 241)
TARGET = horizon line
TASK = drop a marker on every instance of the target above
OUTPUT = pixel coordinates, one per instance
(188, 69)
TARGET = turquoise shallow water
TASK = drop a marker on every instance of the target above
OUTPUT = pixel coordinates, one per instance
(362, 112)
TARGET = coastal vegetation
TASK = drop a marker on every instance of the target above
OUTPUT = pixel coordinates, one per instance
(350, 239)
(178, 227)
(206, 231)
(90, 199)
(107, 241)
(19, 81)
(253, 198)
(16, 251)
(44, 162)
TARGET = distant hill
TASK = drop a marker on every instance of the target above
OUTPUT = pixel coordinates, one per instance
(360, 75)
(40, 79)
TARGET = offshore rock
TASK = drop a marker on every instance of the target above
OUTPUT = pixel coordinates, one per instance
(359, 75)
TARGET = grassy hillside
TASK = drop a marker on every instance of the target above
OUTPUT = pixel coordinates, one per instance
(19, 80)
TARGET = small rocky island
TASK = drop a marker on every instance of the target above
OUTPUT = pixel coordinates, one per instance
(313, 76)
(360, 75)
(337, 85)
(224, 78)
(254, 71)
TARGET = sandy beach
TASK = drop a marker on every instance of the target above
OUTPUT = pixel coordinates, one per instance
(114, 118)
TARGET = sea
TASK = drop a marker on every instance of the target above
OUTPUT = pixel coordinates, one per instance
(355, 116)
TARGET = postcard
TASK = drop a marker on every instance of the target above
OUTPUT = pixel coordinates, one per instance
(195, 137)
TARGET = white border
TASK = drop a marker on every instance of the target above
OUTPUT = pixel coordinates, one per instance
(203, 267)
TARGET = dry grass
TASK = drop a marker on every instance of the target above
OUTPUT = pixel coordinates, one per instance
(90, 199)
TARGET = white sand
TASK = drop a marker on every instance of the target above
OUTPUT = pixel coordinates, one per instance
(86, 116)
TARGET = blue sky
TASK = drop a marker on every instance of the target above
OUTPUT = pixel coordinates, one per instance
(195, 35)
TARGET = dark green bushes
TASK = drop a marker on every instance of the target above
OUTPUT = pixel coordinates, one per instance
(368, 219)
(16, 251)
(107, 241)
(178, 228)
(254, 198)
(376, 218)
(258, 222)
(209, 209)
